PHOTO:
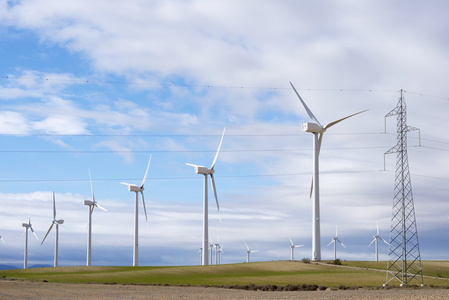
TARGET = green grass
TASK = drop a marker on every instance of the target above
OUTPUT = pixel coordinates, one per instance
(279, 273)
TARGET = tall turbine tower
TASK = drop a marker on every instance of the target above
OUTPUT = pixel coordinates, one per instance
(92, 204)
(57, 223)
(335, 240)
(25, 255)
(292, 249)
(404, 258)
(137, 190)
(208, 172)
(375, 240)
(318, 130)
(248, 252)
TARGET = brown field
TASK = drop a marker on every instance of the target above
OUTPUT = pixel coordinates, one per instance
(45, 290)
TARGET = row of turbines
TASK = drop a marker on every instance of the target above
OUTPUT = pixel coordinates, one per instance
(313, 127)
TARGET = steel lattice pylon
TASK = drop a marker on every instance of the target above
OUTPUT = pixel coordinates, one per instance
(404, 259)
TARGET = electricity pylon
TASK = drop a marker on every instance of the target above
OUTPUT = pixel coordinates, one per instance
(404, 259)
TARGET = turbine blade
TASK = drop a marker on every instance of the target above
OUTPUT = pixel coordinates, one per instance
(320, 140)
(192, 165)
(339, 120)
(218, 150)
(291, 241)
(372, 242)
(144, 208)
(146, 172)
(330, 243)
(384, 241)
(49, 229)
(99, 206)
(91, 187)
(341, 243)
(246, 246)
(54, 206)
(128, 184)
(34, 232)
(212, 181)
(377, 229)
(299, 246)
(305, 106)
(311, 188)
(2, 240)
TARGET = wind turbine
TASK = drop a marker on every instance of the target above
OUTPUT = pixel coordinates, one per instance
(248, 252)
(318, 130)
(292, 247)
(137, 190)
(27, 226)
(57, 223)
(335, 240)
(92, 204)
(208, 171)
(376, 238)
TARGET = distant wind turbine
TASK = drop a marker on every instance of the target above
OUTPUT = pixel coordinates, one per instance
(92, 204)
(208, 172)
(318, 130)
(292, 247)
(375, 240)
(25, 256)
(248, 252)
(335, 240)
(137, 190)
(57, 223)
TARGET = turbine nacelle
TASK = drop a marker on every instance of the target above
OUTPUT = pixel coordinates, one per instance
(202, 170)
(60, 222)
(133, 187)
(89, 202)
(312, 127)
(26, 225)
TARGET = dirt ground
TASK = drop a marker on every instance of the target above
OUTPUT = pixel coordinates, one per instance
(45, 290)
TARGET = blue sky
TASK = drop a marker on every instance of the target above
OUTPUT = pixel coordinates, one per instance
(104, 85)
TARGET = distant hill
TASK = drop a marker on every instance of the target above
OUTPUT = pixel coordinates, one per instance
(8, 267)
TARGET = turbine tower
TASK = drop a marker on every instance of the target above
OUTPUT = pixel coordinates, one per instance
(404, 258)
(335, 240)
(292, 247)
(248, 252)
(375, 240)
(57, 223)
(137, 190)
(92, 204)
(208, 172)
(25, 256)
(318, 130)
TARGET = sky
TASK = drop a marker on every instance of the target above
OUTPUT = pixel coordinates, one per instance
(103, 85)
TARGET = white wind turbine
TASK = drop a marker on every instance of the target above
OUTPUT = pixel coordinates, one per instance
(292, 247)
(335, 240)
(137, 190)
(92, 204)
(57, 223)
(208, 171)
(248, 252)
(27, 226)
(375, 239)
(318, 130)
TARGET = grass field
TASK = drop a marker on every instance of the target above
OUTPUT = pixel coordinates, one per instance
(281, 273)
